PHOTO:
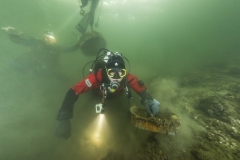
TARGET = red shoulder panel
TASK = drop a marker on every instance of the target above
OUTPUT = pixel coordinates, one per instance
(88, 83)
(133, 84)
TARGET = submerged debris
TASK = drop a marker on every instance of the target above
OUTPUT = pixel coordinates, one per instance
(164, 122)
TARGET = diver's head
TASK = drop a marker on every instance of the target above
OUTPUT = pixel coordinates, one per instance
(115, 68)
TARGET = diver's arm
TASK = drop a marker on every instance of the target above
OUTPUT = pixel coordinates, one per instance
(66, 111)
(69, 49)
(151, 105)
(60, 49)
(85, 85)
(25, 40)
(21, 38)
(63, 128)
(135, 84)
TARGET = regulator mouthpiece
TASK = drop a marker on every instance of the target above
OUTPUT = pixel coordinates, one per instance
(113, 86)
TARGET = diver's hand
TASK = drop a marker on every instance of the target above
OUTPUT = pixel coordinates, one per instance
(12, 31)
(151, 105)
(63, 129)
(8, 28)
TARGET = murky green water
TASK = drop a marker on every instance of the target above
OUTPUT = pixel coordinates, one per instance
(159, 37)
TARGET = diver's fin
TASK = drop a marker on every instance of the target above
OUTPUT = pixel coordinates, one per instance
(83, 24)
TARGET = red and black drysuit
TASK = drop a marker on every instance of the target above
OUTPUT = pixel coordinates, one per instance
(93, 82)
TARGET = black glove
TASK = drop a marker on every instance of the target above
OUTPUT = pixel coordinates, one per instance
(63, 129)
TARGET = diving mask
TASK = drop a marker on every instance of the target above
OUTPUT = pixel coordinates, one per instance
(116, 73)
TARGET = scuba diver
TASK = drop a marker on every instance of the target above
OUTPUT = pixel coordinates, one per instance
(47, 43)
(89, 43)
(109, 78)
(43, 55)
(42, 58)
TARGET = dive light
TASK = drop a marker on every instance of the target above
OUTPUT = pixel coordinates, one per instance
(99, 108)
